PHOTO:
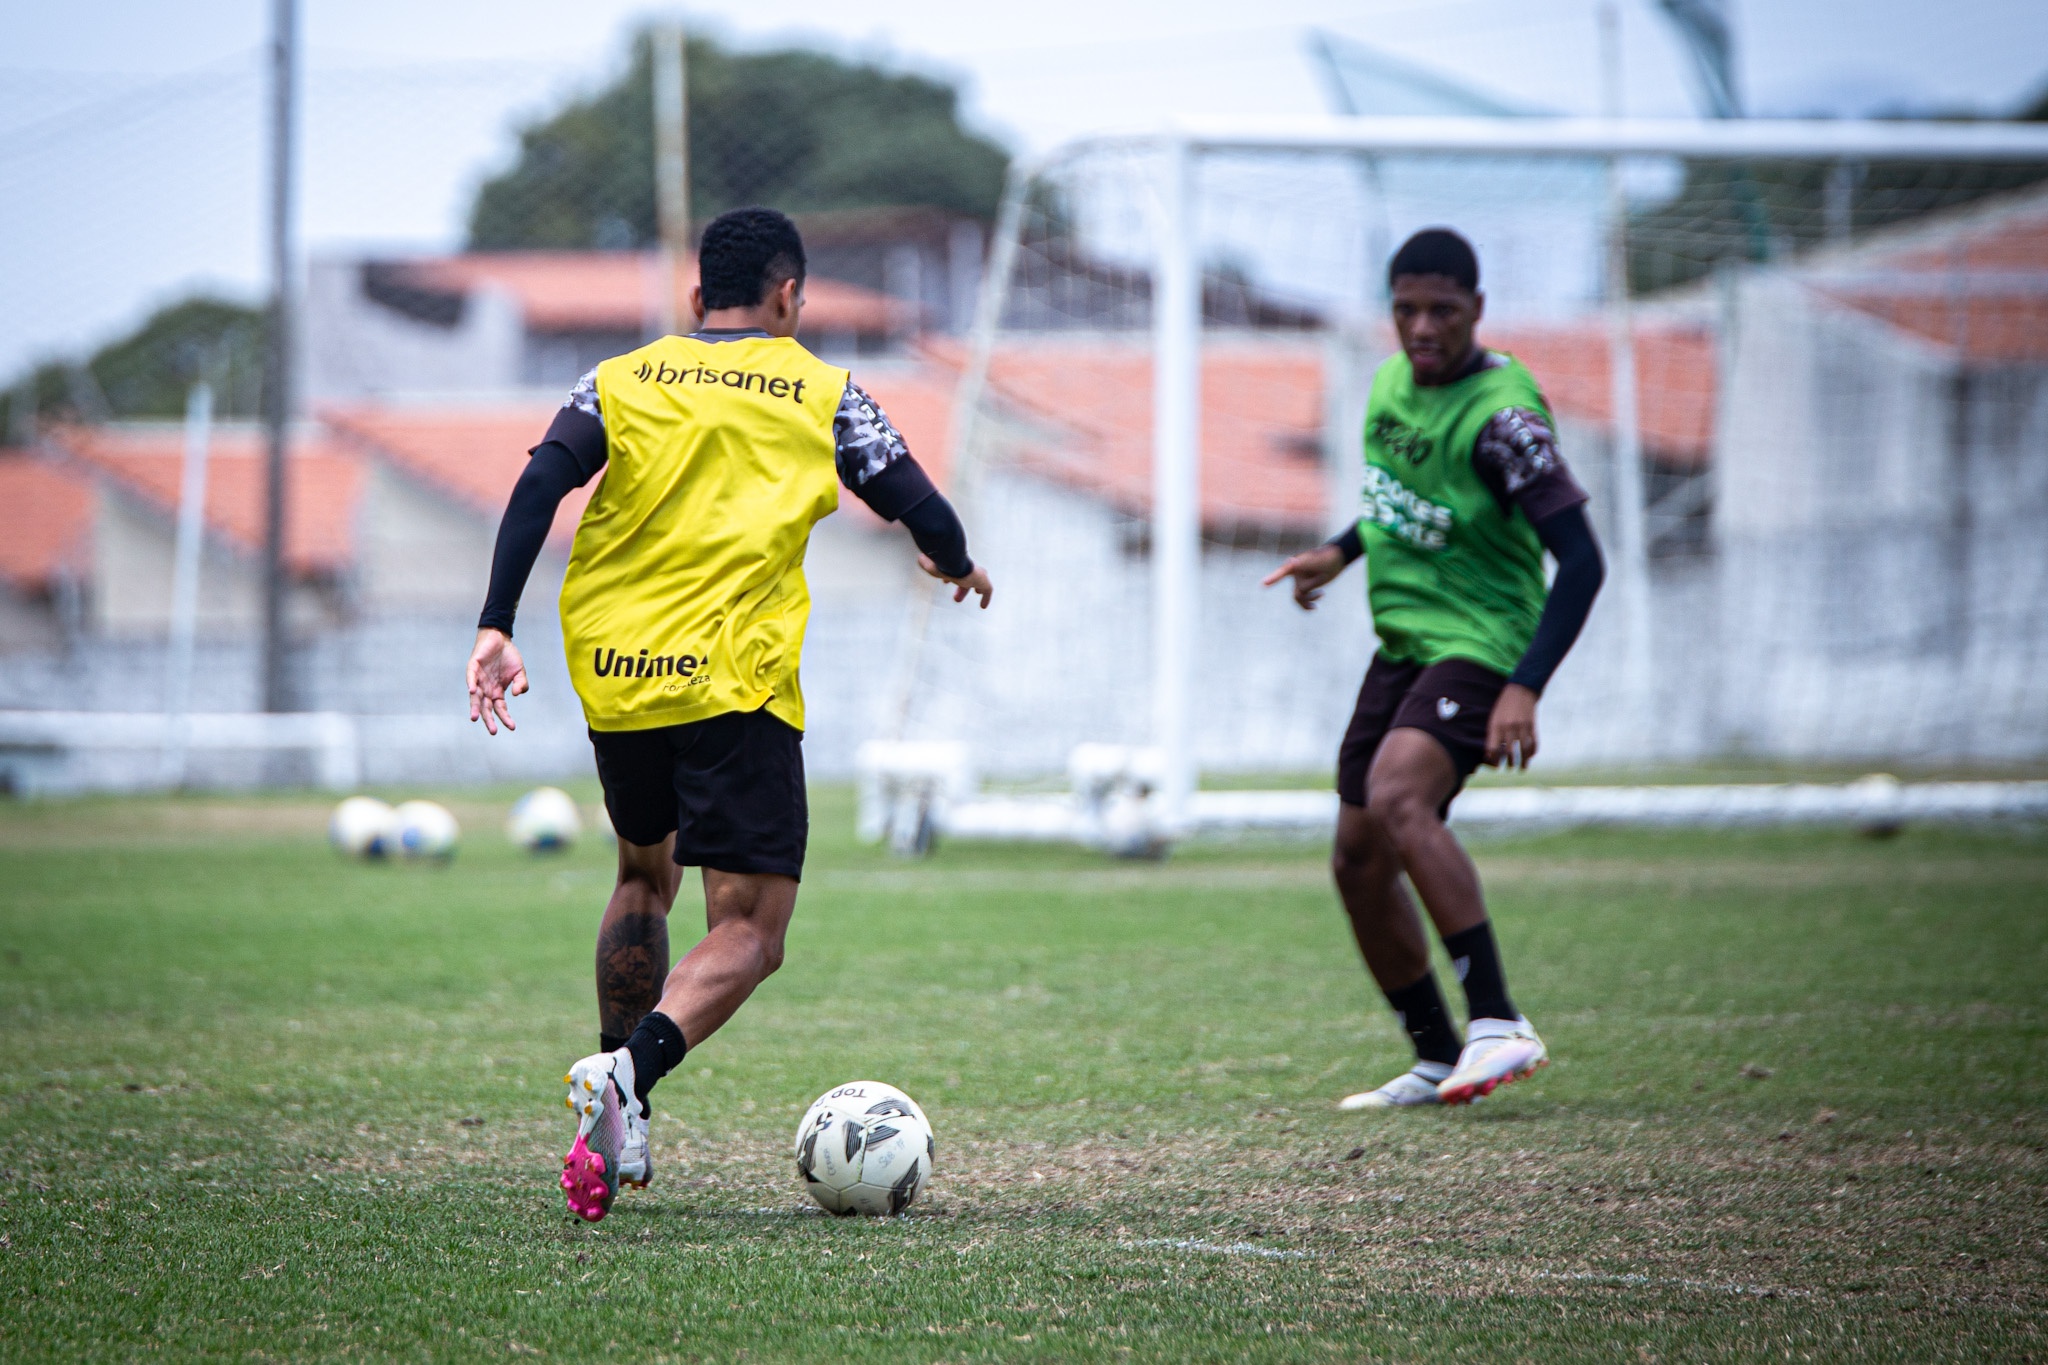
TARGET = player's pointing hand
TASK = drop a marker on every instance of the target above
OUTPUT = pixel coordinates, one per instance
(1310, 570)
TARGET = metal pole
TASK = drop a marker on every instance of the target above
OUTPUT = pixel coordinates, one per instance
(1176, 479)
(1631, 548)
(964, 455)
(185, 580)
(671, 165)
(277, 370)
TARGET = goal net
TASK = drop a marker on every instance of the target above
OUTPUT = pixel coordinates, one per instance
(1801, 369)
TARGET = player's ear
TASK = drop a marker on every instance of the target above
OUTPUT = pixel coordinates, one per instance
(1478, 305)
(697, 303)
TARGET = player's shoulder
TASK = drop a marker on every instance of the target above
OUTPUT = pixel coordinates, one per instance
(1507, 383)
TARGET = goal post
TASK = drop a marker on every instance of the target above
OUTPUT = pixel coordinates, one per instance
(1151, 250)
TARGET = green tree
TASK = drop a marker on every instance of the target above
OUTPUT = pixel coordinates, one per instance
(802, 131)
(1731, 211)
(148, 372)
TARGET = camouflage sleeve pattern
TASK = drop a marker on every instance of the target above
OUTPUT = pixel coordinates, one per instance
(583, 397)
(864, 440)
(1516, 454)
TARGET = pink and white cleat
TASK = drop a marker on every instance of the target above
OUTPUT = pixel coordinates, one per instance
(601, 1097)
(1497, 1051)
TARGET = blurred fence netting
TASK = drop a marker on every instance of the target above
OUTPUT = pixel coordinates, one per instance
(1819, 469)
(469, 238)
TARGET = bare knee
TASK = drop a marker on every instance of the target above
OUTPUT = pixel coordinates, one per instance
(1362, 847)
(1405, 812)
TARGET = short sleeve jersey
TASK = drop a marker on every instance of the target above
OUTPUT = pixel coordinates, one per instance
(1453, 563)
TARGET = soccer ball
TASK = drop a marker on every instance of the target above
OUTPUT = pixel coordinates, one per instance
(544, 820)
(363, 827)
(864, 1147)
(426, 830)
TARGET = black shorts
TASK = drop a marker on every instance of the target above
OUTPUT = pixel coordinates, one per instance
(730, 788)
(1451, 701)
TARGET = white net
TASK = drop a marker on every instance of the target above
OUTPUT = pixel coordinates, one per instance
(1837, 459)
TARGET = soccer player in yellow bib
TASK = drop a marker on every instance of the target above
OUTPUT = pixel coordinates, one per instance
(683, 616)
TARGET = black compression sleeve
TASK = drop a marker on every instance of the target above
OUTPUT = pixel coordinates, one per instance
(936, 528)
(549, 475)
(1568, 536)
(901, 485)
(1349, 542)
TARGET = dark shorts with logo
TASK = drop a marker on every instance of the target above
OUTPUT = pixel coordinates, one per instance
(730, 788)
(1451, 701)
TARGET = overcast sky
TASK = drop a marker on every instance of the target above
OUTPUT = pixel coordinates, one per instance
(131, 146)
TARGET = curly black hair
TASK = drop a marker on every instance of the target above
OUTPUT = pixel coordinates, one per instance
(744, 253)
(1436, 251)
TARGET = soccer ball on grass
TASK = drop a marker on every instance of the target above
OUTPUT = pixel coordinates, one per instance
(544, 821)
(363, 827)
(864, 1147)
(426, 830)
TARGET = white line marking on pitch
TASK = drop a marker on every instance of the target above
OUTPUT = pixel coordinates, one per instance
(1760, 1291)
(1224, 1249)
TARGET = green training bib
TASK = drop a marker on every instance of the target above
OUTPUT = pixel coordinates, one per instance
(1450, 574)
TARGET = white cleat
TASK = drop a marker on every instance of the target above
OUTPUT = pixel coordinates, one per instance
(1497, 1051)
(636, 1162)
(1405, 1091)
(601, 1097)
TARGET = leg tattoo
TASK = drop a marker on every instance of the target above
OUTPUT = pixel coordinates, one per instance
(632, 962)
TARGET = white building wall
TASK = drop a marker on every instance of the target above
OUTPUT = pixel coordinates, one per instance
(351, 347)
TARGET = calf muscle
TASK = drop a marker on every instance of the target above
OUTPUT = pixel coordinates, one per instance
(1399, 830)
(632, 939)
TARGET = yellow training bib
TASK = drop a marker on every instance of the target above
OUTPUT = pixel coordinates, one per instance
(685, 596)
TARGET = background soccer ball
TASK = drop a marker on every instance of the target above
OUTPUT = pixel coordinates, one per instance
(363, 827)
(426, 830)
(864, 1147)
(544, 820)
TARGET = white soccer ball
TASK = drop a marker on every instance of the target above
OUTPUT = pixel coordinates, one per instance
(426, 829)
(864, 1147)
(544, 820)
(363, 827)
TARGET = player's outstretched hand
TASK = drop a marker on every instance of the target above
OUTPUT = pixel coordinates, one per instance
(496, 672)
(1310, 570)
(976, 581)
(1511, 729)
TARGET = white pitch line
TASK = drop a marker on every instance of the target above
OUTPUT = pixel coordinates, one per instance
(1759, 1291)
(1224, 1249)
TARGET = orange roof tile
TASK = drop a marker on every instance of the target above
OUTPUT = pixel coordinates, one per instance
(474, 454)
(45, 520)
(1988, 318)
(323, 485)
(1675, 380)
(2008, 329)
(1261, 425)
(569, 291)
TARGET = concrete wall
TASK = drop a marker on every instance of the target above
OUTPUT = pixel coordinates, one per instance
(351, 347)
(1882, 542)
(134, 550)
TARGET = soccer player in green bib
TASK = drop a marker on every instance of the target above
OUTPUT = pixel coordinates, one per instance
(1464, 492)
(683, 614)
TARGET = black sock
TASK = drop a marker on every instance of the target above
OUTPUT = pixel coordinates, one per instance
(609, 1042)
(1478, 966)
(1420, 1007)
(658, 1048)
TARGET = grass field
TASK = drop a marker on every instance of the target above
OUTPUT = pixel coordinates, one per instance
(260, 1103)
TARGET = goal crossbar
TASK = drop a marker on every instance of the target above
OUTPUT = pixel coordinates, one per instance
(1711, 139)
(1181, 144)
